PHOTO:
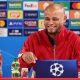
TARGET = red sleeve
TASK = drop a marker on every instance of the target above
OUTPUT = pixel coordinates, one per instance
(25, 48)
(77, 52)
(77, 48)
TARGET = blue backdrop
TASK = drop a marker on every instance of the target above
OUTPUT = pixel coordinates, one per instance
(10, 47)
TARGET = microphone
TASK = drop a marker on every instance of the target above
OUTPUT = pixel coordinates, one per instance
(53, 41)
(54, 47)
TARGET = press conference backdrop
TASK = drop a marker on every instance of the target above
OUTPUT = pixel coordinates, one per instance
(20, 18)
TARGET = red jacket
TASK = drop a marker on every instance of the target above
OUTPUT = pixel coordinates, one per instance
(67, 46)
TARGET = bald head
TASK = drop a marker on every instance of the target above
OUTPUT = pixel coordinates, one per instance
(53, 7)
(54, 18)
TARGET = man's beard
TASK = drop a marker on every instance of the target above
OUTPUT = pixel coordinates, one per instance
(52, 33)
(57, 31)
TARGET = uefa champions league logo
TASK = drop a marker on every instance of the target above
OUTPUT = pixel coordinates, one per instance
(56, 69)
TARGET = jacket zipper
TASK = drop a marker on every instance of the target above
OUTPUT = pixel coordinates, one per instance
(54, 52)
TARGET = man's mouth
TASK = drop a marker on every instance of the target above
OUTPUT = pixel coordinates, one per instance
(51, 27)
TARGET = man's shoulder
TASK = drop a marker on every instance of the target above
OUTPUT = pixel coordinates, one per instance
(71, 34)
(71, 37)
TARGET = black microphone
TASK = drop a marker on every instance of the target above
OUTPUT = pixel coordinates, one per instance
(53, 41)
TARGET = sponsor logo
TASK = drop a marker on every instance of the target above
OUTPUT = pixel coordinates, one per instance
(15, 23)
(56, 69)
(67, 14)
(3, 14)
(30, 5)
(77, 32)
(75, 5)
(15, 32)
(3, 5)
(32, 0)
(31, 23)
(75, 14)
(65, 4)
(41, 24)
(75, 24)
(3, 0)
(27, 32)
(15, 14)
(3, 32)
(14, 5)
(45, 0)
(41, 14)
(43, 5)
(30, 14)
(14, 0)
(3, 23)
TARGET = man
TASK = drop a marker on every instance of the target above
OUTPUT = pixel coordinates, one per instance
(54, 42)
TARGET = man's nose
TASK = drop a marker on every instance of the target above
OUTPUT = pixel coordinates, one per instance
(51, 22)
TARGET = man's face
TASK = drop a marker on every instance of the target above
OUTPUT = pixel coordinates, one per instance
(53, 21)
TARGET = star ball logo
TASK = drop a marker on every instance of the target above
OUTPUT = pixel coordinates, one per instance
(56, 69)
(75, 5)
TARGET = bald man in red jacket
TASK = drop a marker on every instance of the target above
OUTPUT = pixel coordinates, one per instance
(54, 42)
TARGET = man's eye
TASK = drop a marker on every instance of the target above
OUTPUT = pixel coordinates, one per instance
(55, 19)
(47, 19)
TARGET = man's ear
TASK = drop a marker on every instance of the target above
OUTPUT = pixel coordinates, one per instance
(65, 18)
